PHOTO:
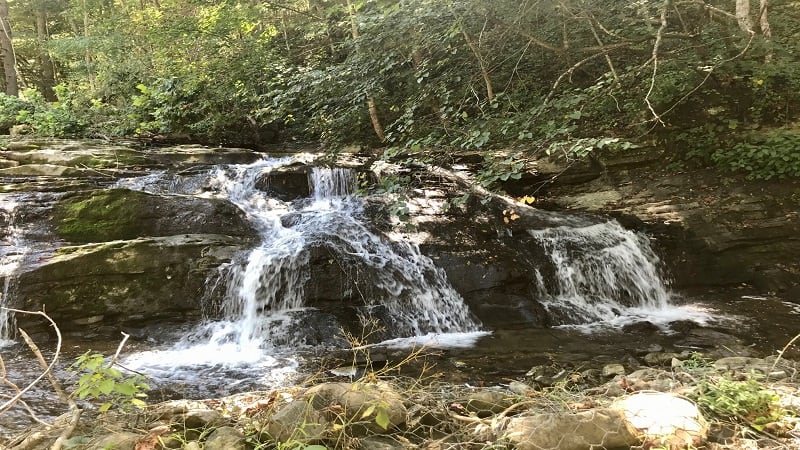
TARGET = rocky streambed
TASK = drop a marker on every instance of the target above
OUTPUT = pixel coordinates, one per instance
(152, 241)
(677, 402)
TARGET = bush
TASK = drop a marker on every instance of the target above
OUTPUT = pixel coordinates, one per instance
(10, 109)
(775, 154)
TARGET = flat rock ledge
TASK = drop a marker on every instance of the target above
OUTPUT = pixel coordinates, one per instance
(680, 407)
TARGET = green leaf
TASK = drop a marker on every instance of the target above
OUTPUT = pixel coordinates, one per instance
(126, 388)
(105, 407)
(382, 419)
(106, 386)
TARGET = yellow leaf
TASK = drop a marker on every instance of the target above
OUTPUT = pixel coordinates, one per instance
(514, 217)
(505, 219)
(368, 412)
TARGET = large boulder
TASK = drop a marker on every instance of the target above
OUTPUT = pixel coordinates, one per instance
(596, 428)
(663, 420)
(124, 281)
(113, 214)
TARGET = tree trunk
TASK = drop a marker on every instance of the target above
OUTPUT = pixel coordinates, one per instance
(487, 80)
(7, 50)
(743, 15)
(48, 76)
(373, 110)
(763, 19)
(88, 56)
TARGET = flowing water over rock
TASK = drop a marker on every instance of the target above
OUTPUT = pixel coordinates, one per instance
(605, 275)
(312, 260)
(265, 307)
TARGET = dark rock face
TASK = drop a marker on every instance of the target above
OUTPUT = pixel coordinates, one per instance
(287, 183)
(712, 229)
(112, 214)
(124, 282)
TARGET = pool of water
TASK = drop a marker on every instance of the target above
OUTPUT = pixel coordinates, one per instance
(739, 322)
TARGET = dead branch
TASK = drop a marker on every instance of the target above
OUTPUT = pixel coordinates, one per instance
(654, 58)
(710, 71)
(569, 72)
(15, 398)
(76, 411)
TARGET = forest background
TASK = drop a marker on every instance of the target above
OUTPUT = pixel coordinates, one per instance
(713, 82)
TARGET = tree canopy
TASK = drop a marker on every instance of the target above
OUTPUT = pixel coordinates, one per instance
(714, 80)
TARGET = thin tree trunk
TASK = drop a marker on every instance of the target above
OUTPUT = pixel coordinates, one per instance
(487, 80)
(7, 49)
(88, 56)
(48, 77)
(763, 20)
(743, 15)
(373, 110)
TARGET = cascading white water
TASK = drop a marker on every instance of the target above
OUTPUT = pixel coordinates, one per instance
(265, 290)
(604, 273)
(12, 254)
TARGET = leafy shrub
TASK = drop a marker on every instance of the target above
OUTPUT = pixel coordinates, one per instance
(748, 400)
(100, 380)
(10, 109)
(763, 156)
(57, 119)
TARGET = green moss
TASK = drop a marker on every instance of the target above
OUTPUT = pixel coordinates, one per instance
(101, 216)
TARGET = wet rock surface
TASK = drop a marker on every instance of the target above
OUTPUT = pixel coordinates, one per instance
(706, 223)
(380, 412)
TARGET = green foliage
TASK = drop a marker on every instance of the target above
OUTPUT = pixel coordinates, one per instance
(774, 154)
(497, 169)
(10, 108)
(463, 75)
(729, 399)
(100, 380)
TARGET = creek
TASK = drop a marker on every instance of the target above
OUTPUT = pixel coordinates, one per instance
(259, 325)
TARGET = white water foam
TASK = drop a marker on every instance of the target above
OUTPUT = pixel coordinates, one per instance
(265, 298)
(605, 276)
(13, 250)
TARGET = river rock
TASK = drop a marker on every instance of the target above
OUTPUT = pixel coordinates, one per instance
(660, 359)
(297, 421)
(121, 440)
(124, 282)
(225, 438)
(664, 420)
(759, 366)
(612, 370)
(114, 214)
(285, 183)
(201, 419)
(597, 428)
(356, 399)
(488, 402)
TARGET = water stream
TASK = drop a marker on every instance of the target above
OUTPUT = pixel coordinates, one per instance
(264, 307)
(604, 275)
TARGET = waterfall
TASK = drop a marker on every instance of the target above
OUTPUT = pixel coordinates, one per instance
(12, 254)
(267, 288)
(602, 273)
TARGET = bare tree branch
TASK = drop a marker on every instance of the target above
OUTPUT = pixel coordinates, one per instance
(654, 59)
(8, 404)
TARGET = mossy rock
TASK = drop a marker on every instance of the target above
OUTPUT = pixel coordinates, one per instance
(119, 282)
(118, 214)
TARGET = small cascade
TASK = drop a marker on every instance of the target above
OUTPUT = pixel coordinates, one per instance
(266, 290)
(328, 182)
(602, 273)
(264, 307)
(12, 254)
